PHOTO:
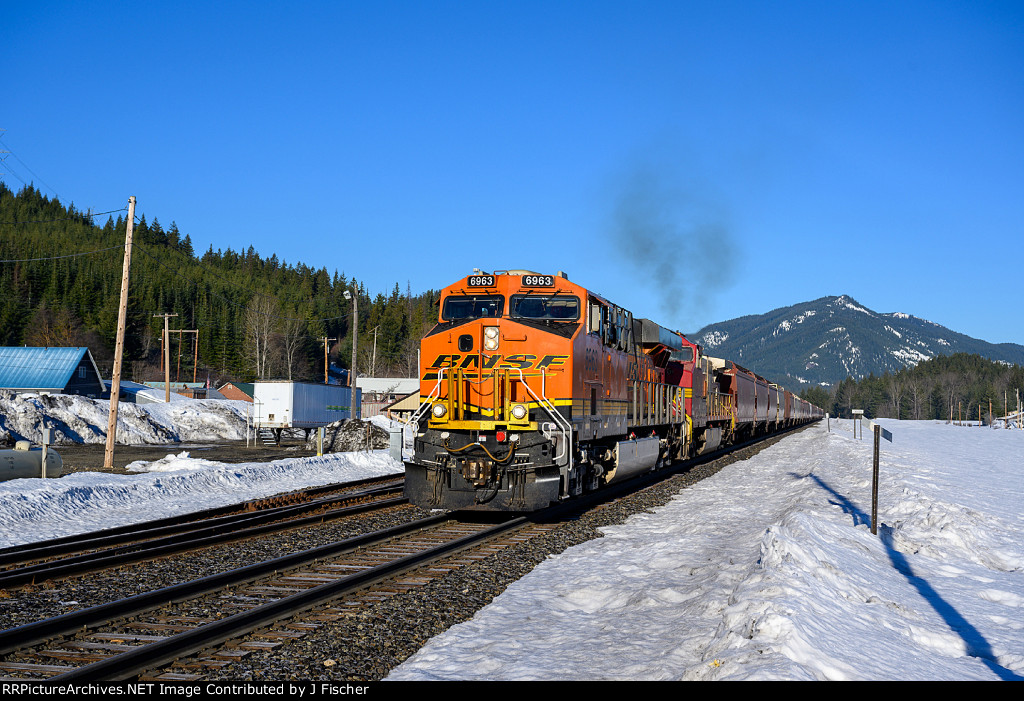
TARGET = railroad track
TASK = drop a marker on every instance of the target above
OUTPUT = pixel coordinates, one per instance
(125, 639)
(207, 618)
(74, 555)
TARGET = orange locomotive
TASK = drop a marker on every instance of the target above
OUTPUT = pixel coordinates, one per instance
(535, 389)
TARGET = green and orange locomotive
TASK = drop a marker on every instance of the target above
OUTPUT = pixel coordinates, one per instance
(535, 389)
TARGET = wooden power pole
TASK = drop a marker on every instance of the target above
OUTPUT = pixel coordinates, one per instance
(195, 347)
(122, 313)
(167, 357)
(355, 341)
(326, 342)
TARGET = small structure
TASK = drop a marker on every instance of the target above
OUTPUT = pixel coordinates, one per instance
(380, 392)
(202, 392)
(135, 393)
(403, 408)
(50, 370)
(243, 391)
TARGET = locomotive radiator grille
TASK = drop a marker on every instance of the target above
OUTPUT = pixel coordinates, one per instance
(499, 396)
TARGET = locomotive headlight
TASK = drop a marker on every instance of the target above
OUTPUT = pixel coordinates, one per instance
(519, 412)
(490, 338)
(438, 410)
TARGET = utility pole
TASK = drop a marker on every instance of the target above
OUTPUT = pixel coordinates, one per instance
(373, 361)
(355, 342)
(354, 296)
(195, 359)
(122, 313)
(167, 357)
(326, 341)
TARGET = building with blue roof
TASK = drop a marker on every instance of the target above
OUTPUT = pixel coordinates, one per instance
(54, 370)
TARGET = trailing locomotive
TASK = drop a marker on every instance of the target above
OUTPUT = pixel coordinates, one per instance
(535, 389)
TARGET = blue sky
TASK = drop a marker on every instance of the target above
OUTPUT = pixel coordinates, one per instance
(691, 161)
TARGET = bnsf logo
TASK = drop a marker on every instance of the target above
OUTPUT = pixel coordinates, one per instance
(522, 361)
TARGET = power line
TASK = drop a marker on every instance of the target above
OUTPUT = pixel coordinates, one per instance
(3, 159)
(8, 148)
(74, 218)
(70, 255)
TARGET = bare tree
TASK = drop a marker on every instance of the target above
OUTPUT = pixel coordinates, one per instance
(54, 329)
(918, 390)
(894, 388)
(409, 362)
(293, 331)
(952, 386)
(260, 316)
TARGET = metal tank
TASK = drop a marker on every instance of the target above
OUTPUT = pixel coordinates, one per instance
(26, 460)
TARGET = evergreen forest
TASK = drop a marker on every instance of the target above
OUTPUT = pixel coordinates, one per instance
(257, 318)
(957, 387)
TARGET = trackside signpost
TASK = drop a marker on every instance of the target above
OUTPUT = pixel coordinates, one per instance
(880, 433)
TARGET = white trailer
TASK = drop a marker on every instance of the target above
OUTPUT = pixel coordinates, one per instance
(280, 405)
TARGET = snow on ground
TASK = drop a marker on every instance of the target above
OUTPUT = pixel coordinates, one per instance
(32, 510)
(769, 570)
(77, 419)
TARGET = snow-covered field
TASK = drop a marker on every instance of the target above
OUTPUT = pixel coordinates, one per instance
(768, 570)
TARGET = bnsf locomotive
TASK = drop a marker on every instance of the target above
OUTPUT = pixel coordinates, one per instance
(535, 389)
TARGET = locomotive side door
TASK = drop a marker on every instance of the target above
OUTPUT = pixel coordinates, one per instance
(591, 387)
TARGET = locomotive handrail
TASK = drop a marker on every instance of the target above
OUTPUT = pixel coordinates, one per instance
(436, 391)
(546, 404)
(414, 420)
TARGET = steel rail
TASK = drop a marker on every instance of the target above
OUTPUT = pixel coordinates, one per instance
(164, 526)
(130, 664)
(30, 634)
(255, 525)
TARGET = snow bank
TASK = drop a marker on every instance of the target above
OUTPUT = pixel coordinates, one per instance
(81, 420)
(32, 510)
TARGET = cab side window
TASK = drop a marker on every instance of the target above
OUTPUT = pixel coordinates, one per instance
(596, 322)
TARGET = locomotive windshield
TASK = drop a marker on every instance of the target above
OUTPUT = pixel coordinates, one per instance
(682, 356)
(471, 307)
(558, 308)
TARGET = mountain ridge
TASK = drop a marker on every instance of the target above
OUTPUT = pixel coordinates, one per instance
(823, 341)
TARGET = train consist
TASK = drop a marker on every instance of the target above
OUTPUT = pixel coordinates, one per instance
(535, 389)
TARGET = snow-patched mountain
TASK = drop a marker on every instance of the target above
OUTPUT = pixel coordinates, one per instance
(824, 341)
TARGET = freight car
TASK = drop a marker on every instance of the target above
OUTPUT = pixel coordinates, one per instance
(535, 389)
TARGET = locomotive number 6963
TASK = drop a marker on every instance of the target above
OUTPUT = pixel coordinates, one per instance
(538, 281)
(480, 281)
